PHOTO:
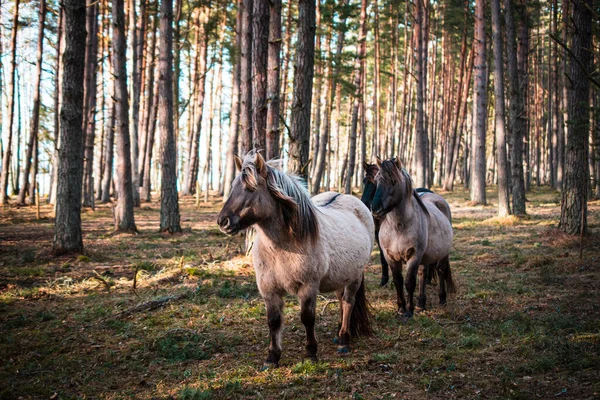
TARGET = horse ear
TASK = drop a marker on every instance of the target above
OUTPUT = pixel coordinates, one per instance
(261, 166)
(365, 165)
(378, 161)
(399, 162)
(238, 163)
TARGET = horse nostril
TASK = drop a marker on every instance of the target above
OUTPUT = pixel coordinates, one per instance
(225, 222)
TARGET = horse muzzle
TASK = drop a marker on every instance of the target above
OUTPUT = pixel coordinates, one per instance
(229, 225)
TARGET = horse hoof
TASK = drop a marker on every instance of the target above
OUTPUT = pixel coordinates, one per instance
(384, 281)
(405, 317)
(343, 349)
(269, 365)
(419, 309)
(311, 357)
(336, 340)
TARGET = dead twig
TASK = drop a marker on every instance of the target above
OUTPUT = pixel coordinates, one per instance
(101, 279)
(147, 306)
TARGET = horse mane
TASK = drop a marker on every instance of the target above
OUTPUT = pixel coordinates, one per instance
(298, 210)
(401, 177)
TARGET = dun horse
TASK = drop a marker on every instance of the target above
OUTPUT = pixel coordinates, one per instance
(427, 196)
(302, 247)
(414, 232)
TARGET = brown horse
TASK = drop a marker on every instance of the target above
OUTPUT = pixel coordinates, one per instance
(412, 231)
(302, 246)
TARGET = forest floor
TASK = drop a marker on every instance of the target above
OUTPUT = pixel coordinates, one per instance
(525, 321)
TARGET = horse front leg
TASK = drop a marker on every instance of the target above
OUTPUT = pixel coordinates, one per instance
(308, 303)
(396, 267)
(274, 304)
(411, 283)
(385, 277)
(422, 299)
(347, 304)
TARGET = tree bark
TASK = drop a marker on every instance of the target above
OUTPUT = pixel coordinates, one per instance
(89, 116)
(246, 77)
(260, 58)
(420, 139)
(169, 206)
(273, 80)
(503, 185)
(299, 145)
(35, 112)
(517, 114)
(11, 107)
(67, 226)
(124, 209)
(573, 210)
(477, 184)
(134, 101)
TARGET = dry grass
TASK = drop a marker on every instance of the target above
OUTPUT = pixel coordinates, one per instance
(525, 322)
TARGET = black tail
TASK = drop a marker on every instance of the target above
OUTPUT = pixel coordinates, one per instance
(444, 265)
(360, 320)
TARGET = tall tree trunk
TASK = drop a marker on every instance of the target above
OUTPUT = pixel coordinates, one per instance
(503, 185)
(260, 53)
(234, 128)
(109, 143)
(302, 99)
(56, 98)
(421, 138)
(573, 210)
(67, 226)
(134, 101)
(11, 107)
(378, 134)
(246, 77)
(477, 186)
(124, 210)
(89, 116)
(151, 131)
(359, 64)
(517, 113)
(35, 112)
(169, 206)
(273, 80)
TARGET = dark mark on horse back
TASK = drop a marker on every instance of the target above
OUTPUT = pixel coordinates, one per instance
(331, 200)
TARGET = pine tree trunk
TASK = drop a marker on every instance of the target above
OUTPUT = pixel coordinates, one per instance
(35, 112)
(11, 108)
(359, 64)
(125, 221)
(134, 101)
(234, 128)
(477, 182)
(573, 210)
(303, 80)
(246, 77)
(503, 185)
(151, 133)
(273, 80)
(89, 116)
(67, 227)
(420, 140)
(260, 53)
(517, 114)
(169, 206)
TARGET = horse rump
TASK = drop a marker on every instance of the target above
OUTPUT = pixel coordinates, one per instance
(360, 319)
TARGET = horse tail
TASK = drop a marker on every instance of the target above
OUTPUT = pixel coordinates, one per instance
(450, 285)
(360, 319)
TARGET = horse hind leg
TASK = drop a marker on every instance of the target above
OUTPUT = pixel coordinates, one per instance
(422, 299)
(347, 304)
(445, 278)
(308, 302)
(274, 304)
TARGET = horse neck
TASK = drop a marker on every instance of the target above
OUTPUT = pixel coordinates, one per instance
(273, 231)
(406, 210)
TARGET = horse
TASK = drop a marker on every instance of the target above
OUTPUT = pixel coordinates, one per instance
(302, 246)
(427, 196)
(411, 231)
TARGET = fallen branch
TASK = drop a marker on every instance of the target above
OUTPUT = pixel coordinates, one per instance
(147, 306)
(101, 279)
